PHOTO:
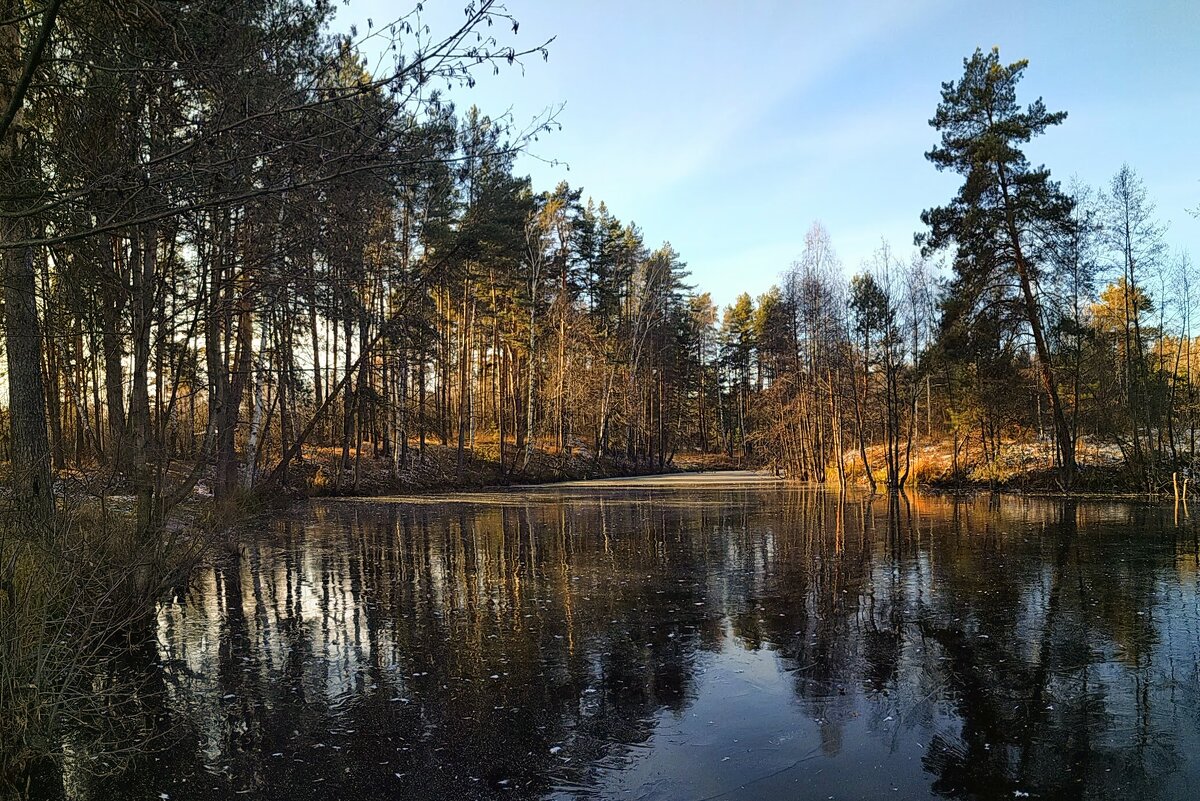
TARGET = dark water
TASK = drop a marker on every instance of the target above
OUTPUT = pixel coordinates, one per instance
(717, 642)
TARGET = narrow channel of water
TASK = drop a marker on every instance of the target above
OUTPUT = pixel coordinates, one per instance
(666, 640)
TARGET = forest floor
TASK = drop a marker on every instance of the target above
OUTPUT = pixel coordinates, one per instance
(1021, 465)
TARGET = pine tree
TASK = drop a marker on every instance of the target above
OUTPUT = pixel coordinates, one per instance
(1007, 214)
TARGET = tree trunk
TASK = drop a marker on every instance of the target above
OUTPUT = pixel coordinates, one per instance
(530, 386)
(31, 481)
(1062, 430)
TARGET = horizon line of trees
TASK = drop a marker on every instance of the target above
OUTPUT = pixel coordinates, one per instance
(1062, 315)
(227, 242)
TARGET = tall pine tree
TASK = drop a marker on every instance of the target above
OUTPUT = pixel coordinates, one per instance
(1006, 215)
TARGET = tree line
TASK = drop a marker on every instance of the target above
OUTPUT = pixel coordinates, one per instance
(233, 242)
(230, 236)
(1028, 309)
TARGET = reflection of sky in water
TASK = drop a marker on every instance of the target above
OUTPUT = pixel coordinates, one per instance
(671, 644)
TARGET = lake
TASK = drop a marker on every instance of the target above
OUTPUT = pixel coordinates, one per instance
(722, 637)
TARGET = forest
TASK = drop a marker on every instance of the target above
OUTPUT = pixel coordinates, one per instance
(241, 249)
(236, 241)
(231, 245)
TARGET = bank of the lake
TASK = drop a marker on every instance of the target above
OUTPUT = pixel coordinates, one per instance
(1023, 466)
(323, 473)
(1020, 466)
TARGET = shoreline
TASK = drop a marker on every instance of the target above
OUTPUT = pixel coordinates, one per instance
(319, 476)
(685, 477)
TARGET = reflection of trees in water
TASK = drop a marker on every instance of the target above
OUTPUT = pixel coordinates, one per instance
(1056, 698)
(454, 650)
(434, 651)
(1021, 638)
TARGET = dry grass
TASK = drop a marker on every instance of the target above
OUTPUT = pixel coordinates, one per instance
(695, 461)
(924, 470)
(74, 596)
(1021, 463)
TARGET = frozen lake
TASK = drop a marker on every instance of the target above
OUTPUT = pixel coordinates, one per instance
(725, 636)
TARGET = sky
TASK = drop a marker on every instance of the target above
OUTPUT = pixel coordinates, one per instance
(728, 128)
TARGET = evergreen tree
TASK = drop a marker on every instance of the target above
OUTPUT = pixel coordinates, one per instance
(1007, 215)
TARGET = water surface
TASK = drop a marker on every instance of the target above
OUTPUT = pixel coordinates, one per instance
(729, 639)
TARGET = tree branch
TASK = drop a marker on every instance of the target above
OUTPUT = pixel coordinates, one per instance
(32, 60)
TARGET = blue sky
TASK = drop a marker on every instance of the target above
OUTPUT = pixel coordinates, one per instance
(727, 128)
